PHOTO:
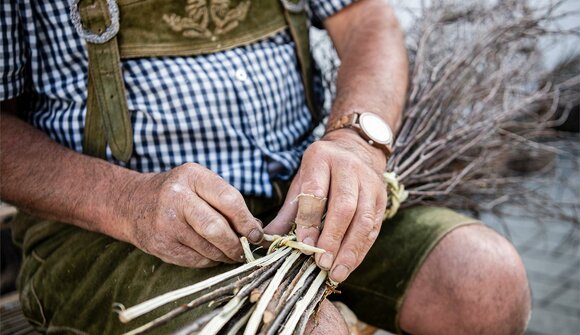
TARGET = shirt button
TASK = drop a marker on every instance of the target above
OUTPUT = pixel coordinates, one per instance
(241, 75)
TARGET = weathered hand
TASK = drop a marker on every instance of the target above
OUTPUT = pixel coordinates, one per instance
(347, 171)
(188, 216)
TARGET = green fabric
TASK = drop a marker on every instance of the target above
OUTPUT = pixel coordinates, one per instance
(106, 88)
(70, 277)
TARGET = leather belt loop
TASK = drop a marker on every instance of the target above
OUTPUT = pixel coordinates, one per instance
(297, 19)
(106, 99)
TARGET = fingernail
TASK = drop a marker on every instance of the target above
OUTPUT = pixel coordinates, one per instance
(255, 236)
(326, 260)
(308, 241)
(339, 273)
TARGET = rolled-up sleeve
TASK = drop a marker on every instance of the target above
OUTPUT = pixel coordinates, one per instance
(13, 60)
(322, 9)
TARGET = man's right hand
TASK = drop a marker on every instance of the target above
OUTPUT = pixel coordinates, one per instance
(188, 216)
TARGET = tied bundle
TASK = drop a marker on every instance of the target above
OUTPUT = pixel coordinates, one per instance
(476, 96)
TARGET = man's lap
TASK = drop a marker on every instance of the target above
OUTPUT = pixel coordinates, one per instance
(71, 278)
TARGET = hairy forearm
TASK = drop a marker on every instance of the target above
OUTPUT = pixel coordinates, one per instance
(44, 178)
(374, 68)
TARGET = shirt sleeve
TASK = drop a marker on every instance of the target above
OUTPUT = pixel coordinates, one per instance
(13, 59)
(322, 9)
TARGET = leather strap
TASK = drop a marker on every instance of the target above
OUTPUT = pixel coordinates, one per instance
(106, 95)
(94, 138)
(299, 29)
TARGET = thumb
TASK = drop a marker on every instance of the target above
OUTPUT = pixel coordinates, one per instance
(284, 220)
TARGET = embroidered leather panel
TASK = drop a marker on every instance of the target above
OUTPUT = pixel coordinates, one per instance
(189, 27)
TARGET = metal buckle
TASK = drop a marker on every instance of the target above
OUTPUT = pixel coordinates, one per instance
(88, 35)
(294, 7)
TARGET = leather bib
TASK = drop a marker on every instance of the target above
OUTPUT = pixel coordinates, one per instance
(153, 28)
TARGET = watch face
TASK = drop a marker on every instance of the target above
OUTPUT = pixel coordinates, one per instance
(376, 128)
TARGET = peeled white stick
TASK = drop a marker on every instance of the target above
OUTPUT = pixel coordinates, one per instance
(302, 280)
(149, 305)
(256, 318)
(303, 304)
(229, 310)
(241, 322)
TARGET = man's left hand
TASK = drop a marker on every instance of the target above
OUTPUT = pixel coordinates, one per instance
(347, 171)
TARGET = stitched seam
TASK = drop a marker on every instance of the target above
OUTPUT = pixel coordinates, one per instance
(60, 329)
(33, 290)
(183, 49)
(35, 255)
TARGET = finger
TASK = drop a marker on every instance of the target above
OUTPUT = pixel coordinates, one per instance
(192, 240)
(358, 239)
(314, 183)
(228, 201)
(214, 228)
(282, 223)
(182, 255)
(342, 206)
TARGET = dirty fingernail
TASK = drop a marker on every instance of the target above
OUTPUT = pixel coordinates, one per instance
(339, 273)
(308, 241)
(255, 236)
(326, 260)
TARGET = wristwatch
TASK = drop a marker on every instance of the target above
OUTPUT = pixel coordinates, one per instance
(371, 127)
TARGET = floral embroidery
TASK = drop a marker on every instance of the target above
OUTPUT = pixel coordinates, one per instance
(196, 24)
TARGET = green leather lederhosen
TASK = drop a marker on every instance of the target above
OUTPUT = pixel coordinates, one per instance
(71, 277)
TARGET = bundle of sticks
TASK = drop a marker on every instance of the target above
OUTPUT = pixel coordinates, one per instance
(475, 95)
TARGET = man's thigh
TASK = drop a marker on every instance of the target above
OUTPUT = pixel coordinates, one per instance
(71, 279)
(376, 289)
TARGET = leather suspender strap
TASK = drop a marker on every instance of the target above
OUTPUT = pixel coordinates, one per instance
(94, 139)
(107, 111)
(295, 13)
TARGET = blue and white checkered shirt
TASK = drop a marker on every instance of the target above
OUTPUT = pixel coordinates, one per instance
(240, 112)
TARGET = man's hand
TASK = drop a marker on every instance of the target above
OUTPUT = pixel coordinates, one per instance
(342, 166)
(188, 216)
(348, 171)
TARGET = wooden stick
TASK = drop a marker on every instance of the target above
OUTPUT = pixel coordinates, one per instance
(211, 296)
(256, 318)
(269, 313)
(226, 313)
(303, 304)
(287, 306)
(198, 323)
(149, 305)
(237, 327)
(309, 311)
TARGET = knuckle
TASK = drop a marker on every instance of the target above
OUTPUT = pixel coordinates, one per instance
(203, 262)
(332, 237)
(210, 227)
(229, 196)
(345, 209)
(314, 187)
(350, 257)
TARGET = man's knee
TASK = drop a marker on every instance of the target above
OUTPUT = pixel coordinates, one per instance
(474, 282)
(326, 321)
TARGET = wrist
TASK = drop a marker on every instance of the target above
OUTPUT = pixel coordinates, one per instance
(353, 141)
(114, 197)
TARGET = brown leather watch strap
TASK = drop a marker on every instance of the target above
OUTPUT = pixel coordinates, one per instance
(352, 121)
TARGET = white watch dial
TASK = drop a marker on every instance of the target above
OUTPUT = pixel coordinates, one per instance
(376, 128)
